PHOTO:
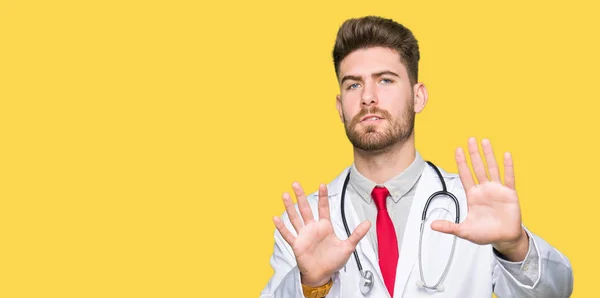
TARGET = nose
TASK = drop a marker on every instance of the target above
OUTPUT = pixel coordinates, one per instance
(369, 95)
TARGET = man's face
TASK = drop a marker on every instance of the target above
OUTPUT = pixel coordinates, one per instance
(376, 101)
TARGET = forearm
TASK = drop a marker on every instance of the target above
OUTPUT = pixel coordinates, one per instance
(285, 281)
(544, 273)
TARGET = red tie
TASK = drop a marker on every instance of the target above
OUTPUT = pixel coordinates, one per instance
(386, 239)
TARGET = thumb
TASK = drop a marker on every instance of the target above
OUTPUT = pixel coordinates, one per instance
(359, 233)
(445, 226)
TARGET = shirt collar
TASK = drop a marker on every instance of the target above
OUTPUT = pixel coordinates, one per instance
(398, 186)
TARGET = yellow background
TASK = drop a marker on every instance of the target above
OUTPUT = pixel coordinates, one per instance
(145, 145)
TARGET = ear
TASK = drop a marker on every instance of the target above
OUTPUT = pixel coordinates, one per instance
(338, 106)
(420, 97)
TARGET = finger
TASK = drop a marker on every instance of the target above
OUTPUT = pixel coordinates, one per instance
(490, 160)
(445, 226)
(283, 230)
(359, 233)
(509, 171)
(476, 161)
(463, 169)
(303, 205)
(323, 202)
(291, 211)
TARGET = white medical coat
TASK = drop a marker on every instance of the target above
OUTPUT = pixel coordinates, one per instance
(474, 271)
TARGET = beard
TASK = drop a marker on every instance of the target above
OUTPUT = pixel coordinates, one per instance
(398, 130)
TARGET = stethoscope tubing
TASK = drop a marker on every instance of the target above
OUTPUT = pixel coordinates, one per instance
(444, 192)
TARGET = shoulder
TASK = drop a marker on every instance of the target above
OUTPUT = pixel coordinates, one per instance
(334, 187)
(443, 171)
(452, 180)
(449, 176)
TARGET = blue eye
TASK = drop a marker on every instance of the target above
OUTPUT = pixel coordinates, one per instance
(386, 81)
(353, 86)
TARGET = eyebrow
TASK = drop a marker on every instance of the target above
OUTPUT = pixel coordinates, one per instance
(375, 75)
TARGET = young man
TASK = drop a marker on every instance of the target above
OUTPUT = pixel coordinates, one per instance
(361, 235)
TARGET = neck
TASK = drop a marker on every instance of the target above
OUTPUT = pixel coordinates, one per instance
(385, 164)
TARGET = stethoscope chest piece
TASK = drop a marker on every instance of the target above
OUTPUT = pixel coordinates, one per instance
(366, 282)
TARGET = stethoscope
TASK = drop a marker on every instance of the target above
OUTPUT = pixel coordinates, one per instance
(366, 276)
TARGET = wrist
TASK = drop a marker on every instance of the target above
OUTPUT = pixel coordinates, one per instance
(317, 292)
(315, 282)
(514, 251)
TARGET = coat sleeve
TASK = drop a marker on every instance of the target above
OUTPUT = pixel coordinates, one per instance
(553, 279)
(525, 271)
(285, 281)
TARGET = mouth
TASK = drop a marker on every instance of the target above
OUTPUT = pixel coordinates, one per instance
(370, 118)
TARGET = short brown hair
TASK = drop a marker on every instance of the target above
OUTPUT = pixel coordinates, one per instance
(373, 31)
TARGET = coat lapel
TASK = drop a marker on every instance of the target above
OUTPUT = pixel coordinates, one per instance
(365, 246)
(365, 250)
(410, 243)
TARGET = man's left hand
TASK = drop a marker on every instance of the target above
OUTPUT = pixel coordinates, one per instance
(494, 214)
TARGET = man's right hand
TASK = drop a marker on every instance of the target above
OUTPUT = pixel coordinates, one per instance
(319, 252)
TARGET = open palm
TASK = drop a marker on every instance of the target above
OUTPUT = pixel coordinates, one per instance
(319, 252)
(494, 215)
